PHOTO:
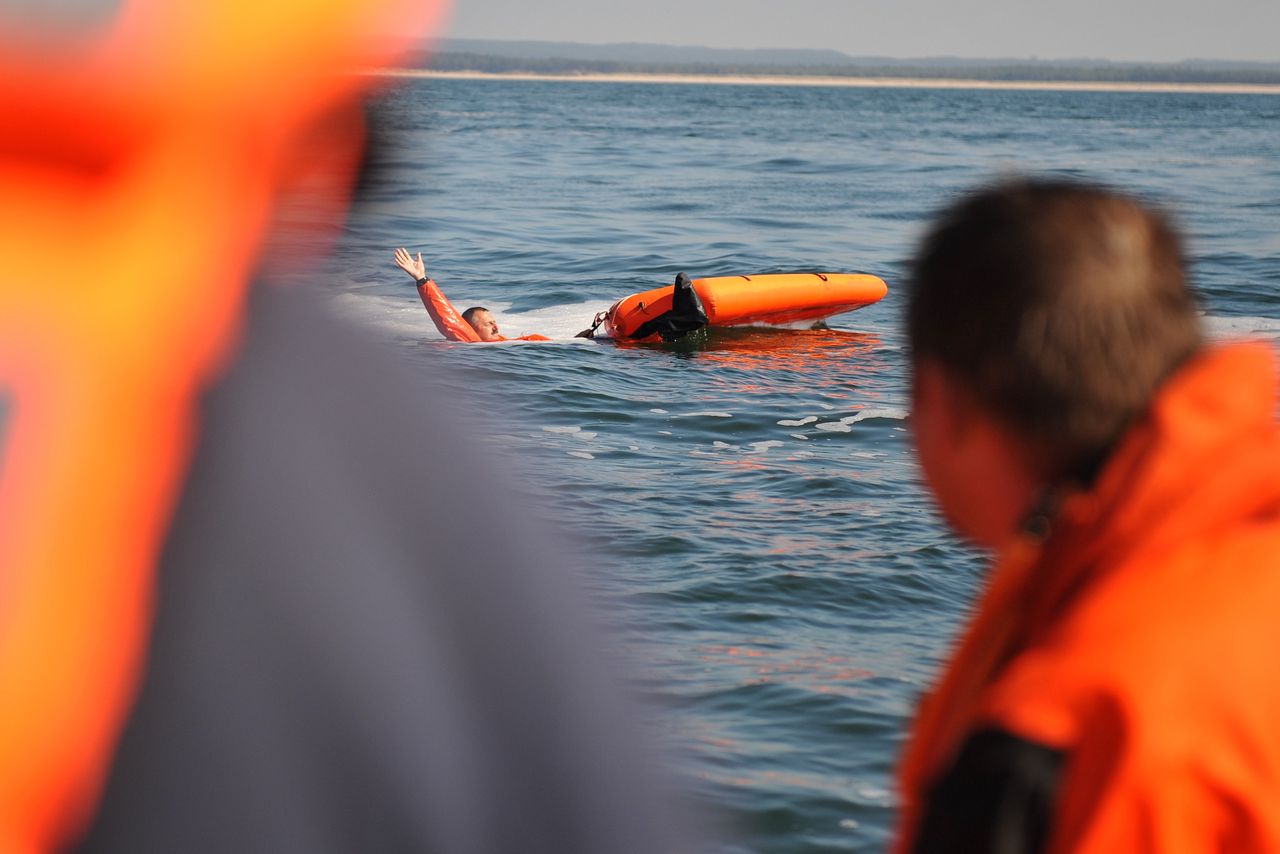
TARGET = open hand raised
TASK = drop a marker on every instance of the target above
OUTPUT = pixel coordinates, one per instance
(413, 266)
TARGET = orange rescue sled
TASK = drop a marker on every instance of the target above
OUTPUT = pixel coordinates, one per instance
(671, 312)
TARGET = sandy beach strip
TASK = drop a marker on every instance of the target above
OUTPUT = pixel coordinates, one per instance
(851, 82)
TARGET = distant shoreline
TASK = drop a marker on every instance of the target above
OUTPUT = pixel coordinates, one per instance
(849, 82)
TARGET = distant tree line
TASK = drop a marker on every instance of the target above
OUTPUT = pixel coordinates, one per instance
(1030, 71)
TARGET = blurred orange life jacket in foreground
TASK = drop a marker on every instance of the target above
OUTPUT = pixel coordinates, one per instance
(1137, 642)
(139, 165)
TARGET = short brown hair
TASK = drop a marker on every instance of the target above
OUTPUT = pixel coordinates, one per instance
(1061, 306)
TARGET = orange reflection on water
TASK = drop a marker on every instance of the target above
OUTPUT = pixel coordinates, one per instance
(770, 349)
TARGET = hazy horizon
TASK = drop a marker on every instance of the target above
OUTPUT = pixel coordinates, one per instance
(1119, 30)
(469, 44)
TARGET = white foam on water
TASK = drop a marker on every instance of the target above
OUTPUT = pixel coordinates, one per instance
(664, 432)
(582, 455)
(844, 424)
(704, 415)
(394, 316)
(718, 444)
(1232, 328)
(800, 436)
(558, 322)
(874, 793)
(762, 447)
(568, 429)
(890, 413)
(658, 411)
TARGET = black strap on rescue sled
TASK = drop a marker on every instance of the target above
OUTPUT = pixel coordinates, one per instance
(686, 314)
(601, 317)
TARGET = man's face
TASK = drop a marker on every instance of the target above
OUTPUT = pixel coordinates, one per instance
(484, 325)
(970, 463)
(931, 426)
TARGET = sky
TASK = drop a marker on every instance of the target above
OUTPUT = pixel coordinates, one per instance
(1121, 30)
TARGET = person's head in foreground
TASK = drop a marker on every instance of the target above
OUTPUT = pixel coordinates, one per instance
(1043, 316)
(1115, 689)
(482, 322)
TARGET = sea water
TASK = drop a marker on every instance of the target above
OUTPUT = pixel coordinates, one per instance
(749, 508)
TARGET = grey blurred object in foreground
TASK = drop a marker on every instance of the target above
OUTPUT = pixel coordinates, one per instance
(361, 644)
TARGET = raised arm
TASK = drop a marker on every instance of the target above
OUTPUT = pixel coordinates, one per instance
(443, 314)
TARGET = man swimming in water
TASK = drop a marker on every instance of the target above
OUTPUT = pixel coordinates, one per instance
(474, 324)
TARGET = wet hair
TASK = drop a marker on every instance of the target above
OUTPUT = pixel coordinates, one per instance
(471, 312)
(1060, 306)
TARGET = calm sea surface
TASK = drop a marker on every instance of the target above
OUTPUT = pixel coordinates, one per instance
(750, 508)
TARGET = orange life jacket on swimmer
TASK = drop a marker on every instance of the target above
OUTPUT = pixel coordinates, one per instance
(450, 323)
(1136, 643)
(139, 165)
